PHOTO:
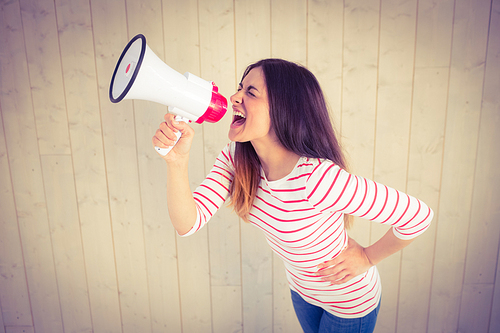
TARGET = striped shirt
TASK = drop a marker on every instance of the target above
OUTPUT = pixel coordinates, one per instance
(302, 217)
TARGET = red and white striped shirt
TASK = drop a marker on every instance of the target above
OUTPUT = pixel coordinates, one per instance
(302, 218)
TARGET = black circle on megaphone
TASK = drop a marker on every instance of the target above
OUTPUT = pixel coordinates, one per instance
(136, 70)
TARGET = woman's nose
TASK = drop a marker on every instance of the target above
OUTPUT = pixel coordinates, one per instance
(236, 98)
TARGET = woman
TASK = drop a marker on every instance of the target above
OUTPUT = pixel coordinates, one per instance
(284, 172)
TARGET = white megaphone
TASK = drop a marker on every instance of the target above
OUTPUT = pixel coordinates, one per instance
(140, 74)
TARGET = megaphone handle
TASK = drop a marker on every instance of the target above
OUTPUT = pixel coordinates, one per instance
(165, 151)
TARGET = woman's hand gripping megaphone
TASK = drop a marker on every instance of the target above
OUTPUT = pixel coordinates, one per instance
(174, 137)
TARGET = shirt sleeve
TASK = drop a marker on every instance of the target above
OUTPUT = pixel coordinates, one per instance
(331, 189)
(214, 190)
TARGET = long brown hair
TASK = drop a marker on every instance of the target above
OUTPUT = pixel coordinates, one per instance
(300, 119)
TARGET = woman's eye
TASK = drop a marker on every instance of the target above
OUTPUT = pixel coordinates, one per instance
(246, 91)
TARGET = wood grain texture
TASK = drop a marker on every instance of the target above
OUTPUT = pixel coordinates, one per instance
(392, 131)
(46, 80)
(424, 175)
(87, 151)
(67, 242)
(289, 30)
(86, 244)
(483, 241)
(489, 121)
(359, 78)
(460, 153)
(428, 117)
(26, 174)
(14, 297)
(325, 52)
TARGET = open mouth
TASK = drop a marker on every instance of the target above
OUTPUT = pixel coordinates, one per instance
(238, 118)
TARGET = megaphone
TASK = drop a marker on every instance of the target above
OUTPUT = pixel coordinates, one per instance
(140, 74)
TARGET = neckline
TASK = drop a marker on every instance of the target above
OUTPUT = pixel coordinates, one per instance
(289, 175)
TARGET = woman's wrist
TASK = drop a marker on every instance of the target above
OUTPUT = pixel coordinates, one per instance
(384, 247)
(180, 163)
(368, 257)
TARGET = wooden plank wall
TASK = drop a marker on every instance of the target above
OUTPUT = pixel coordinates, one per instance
(85, 240)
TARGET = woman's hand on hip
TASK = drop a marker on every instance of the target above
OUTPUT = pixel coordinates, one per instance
(352, 262)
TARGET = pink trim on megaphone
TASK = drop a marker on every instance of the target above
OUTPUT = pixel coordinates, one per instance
(216, 109)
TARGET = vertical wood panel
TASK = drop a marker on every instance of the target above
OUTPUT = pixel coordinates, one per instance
(435, 27)
(361, 35)
(119, 133)
(485, 211)
(44, 63)
(484, 230)
(14, 298)
(225, 272)
(324, 52)
(489, 124)
(67, 242)
(2, 327)
(289, 30)
(24, 162)
(81, 92)
(426, 150)
(475, 311)
(462, 125)
(226, 309)
(252, 34)
(257, 280)
(194, 277)
(285, 320)
(160, 244)
(494, 321)
(424, 176)
(394, 97)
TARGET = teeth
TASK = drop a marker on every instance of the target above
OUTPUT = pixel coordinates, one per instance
(238, 113)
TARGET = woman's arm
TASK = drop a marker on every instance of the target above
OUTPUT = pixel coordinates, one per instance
(180, 202)
(334, 190)
(355, 259)
(385, 246)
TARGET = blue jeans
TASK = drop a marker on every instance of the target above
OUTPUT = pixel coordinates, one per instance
(314, 319)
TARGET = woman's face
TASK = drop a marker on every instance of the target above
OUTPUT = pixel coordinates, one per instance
(251, 120)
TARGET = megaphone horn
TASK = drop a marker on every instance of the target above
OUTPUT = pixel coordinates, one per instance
(140, 74)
